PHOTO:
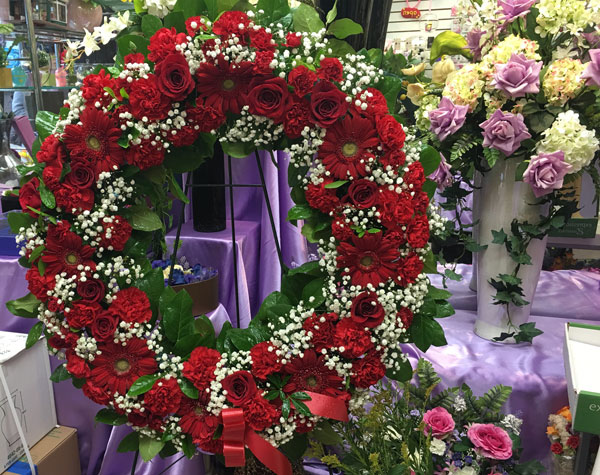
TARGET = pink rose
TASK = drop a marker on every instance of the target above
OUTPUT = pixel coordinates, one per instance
(491, 441)
(546, 172)
(439, 421)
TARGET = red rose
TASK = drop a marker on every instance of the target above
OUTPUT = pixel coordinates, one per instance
(39, 285)
(367, 371)
(321, 198)
(409, 269)
(104, 326)
(131, 305)
(293, 40)
(145, 155)
(52, 149)
(261, 39)
(268, 98)
(77, 366)
(556, 448)
(173, 77)
(406, 317)
(92, 290)
(393, 158)
(164, 397)
(134, 58)
(207, 118)
(146, 100)
(82, 313)
(363, 193)
(260, 414)
(297, 117)
(366, 310)
(200, 367)
(302, 80)
(262, 62)
(355, 340)
(69, 198)
(30, 196)
(417, 233)
(96, 394)
(330, 69)
(573, 442)
(162, 43)
(81, 176)
(390, 131)
(341, 229)
(51, 174)
(327, 103)
(264, 360)
(376, 102)
(415, 175)
(322, 328)
(115, 234)
(229, 22)
(240, 387)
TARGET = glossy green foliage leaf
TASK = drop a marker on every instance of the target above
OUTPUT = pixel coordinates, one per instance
(343, 28)
(150, 25)
(430, 159)
(130, 443)
(238, 149)
(273, 9)
(149, 447)
(110, 417)
(142, 385)
(60, 374)
(177, 319)
(143, 218)
(425, 332)
(26, 306)
(34, 334)
(44, 123)
(306, 19)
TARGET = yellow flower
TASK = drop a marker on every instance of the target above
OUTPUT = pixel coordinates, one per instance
(414, 70)
(415, 92)
(565, 412)
(464, 86)
(562, 80)
(441, 70)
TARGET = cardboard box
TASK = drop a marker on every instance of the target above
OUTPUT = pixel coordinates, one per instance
(582, 355)
(27, 374)
(56, 454)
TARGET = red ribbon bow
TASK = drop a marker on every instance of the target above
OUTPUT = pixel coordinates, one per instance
(236, 436)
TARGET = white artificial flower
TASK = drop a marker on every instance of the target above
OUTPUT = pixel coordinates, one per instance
(466, 471)
(512, 423)
(121, 21)
(437, 447)
(89, 43)
(459, 404)
(71, 50)
(105, 32)
(159, 8)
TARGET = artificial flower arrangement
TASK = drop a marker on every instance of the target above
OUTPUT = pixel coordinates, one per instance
(99, 192)
(408, 429)
(564, 441)
(183, 271)
(528, 98)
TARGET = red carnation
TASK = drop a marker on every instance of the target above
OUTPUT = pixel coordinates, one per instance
(198, 422)
(302, 80)
(52, 149)
(173, 77)
(293, 40)
(390, 131)
(146, 155)
(420, 201)
(327, 103)
(262, 62)
(322, 328)
(260, 414)
(134, 58)
(367, 371)
(363, 193)
(556, 448)
(393, 158)
(417, 233)
(341, 229)
(395, 208)
(96, 394)
(406, 317)
(240, 387)
(92, 290)
(264, 360)
(81, 176)
(395, 237)
(66, 254)
(131, 305)
(207, 118)
(164, 397)
(229, 23)
(268, 98)
(369, 259)
(296, 118)
(146, 100)
(376, 102)
(117, 366)
(163, 42)
(261, 39)
(76, 365)
(95, 141)
(200, 367)
(366, 310)
(115, 234)
(321, 198)
(93, 90)
(184, 136)
(309, 373)
(104, 326)
(29, 196)
(330, 69)
(72, 199)
(353, 338)
(52, 173)
(345, 149)
(59, 231)
(39, 285)
(415, 175)
(409, 269)
(194, 24)
(82, 313)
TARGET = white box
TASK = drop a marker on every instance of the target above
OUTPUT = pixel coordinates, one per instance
(27, 374)
(582, 356)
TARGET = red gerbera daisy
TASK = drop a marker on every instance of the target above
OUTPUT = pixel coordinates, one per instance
(94, 141)
(224, 85)
(369, 259)
(66, 254)
(309, 373)
(118, 366)
(198, 422)
(344, 151)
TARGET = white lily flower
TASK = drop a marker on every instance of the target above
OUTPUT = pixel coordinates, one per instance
(105, 32)
(89, 43)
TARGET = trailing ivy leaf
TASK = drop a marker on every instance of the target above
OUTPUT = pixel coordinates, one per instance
(24, 307)
(143, 384)
(110, 417)
(60, 374)
(527, 332)
(149, 447)
(510, 279)
(44, 124)
(150, 25)
(189, 389)
(473, 246)
(450, 274)
(499, 237)
(130, 443)
(343, 28)
(307, 19)
(336, 184)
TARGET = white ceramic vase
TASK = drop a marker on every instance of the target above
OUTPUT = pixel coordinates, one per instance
(475, 216)
(501, 200)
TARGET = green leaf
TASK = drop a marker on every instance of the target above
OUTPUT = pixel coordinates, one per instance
(189, 389)
(186, 344)
(438, 294)
(430, 159)
(189, 7)
(343, 28)
(143, 219)
(149, 447)
(177, 317)
(132, 44)
(188, 446)
(60, 374)
(295, 448)
(448, 43)
(110, 417)
(130, 443)
(222, 340)
(24, 307)
(404, 373)
(332, 14)
(150, 25)
(153, 283)
(47, 196)
(17, 220)
(335, 184)
(238, 149)
(326, 434)
(375, 56)
(340, 48)
(499, 237)
(175, 20)
(302, 408)
(44, 123)
(306, 19)
(300, 212)
(245, 339)
(390, 87)
(520, 171)
(143, 384)
(444, 309)
(314, 289)
(450, 274)
(176, 189)
(187, 159)
(527, 332)
(273, 9)
(426, 332)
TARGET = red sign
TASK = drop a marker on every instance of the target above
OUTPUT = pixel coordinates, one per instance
(411, 12)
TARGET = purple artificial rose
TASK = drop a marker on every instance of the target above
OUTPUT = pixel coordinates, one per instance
(473, 43)
(442, 175)
(518, 77)
(515, 8)
(447, 118)
(546, 172)
(504, 132)
(592, 72)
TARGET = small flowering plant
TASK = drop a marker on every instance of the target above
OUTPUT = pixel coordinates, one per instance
(408, 429)
(183, 272)
(563, 440)
(267, 78)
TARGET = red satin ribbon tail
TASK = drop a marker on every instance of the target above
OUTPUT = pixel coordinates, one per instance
(267, 454)
(234, 428)
(327, 406)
